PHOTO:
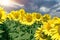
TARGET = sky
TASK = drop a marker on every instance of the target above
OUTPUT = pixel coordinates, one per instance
(44, 6)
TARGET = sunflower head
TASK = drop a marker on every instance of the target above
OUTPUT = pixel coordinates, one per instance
(10, 16)
(55, 18)
(57, 26)
(46, 17)
(2, 15)
(21, 11)
(56, 33)
(37, 16)
(22, 19)
(55, 30)
(29, 19)
(39, 34)
(14, 15)
(47, 26)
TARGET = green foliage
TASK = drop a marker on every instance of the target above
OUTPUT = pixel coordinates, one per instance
(27, 32)
(3, 34)
(17, 31)
(13, 30)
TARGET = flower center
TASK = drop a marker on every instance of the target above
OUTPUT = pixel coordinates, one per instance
(42, 35)
(38, 16)
(45, 19)
(29, 18)
(49, 27)
(0, 15)
(58, 29)
(16, 15)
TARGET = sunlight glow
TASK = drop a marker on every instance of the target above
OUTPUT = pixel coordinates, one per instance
(5, 2)
(9, 3)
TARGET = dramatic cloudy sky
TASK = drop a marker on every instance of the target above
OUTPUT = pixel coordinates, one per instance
(43, 6)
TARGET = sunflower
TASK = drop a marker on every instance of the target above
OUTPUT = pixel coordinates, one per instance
(54, 21)
(56, 30)
(56, 33)
(46, 17)
(55, 18)
(51, 22)
(37, 16)
(29, 19)
(2, 15)
(47, 28)
(15, 15)
(39, 35)
(22, 19)
(21, 12)
(10, 16)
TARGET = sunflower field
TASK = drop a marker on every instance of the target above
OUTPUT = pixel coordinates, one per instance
(22, 25)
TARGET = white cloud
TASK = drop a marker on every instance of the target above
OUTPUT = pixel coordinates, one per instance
(44, 9)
